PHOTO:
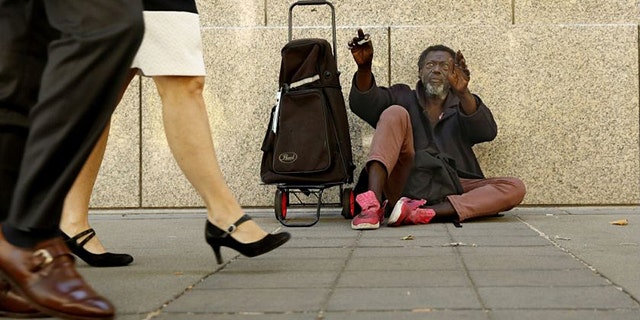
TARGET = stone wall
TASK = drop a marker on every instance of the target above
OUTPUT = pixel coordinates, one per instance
(561, 78)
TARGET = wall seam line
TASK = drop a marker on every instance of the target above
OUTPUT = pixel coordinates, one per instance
(389, 56)
(140, 142)
(266, 3)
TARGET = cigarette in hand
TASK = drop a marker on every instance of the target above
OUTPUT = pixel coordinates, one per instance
(365, 40)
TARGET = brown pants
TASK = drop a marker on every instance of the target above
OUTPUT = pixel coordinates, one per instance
(392, 145)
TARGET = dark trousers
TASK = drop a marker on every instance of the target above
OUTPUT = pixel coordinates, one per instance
(62, 64)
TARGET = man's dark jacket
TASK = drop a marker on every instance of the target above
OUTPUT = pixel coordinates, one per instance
(454, 135)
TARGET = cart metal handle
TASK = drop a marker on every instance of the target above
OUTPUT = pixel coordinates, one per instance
(316, 3)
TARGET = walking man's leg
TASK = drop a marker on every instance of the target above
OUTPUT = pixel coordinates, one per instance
(64, 77)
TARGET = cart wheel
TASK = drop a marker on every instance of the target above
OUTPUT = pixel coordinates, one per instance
(348, 203)
(280, 204)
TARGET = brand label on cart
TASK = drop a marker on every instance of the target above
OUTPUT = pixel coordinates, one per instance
(288, 157)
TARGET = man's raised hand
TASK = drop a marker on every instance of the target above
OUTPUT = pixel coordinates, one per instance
(460, 75)
(362, 49)
(461, 63)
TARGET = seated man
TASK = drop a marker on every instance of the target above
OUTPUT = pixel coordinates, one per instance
(440, 114)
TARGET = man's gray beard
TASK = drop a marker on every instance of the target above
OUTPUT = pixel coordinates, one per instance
(438, 91)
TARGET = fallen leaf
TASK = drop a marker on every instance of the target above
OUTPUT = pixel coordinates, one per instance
(458, 244)
(422, 310)
(622, 222)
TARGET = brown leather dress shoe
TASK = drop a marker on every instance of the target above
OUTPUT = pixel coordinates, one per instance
(47, 278)
(12, 305)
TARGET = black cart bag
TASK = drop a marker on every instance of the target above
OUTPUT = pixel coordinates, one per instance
(308, 140)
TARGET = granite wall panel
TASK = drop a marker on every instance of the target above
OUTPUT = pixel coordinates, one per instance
(576, 12)
(562, 83)
(118, 183)
(399, 12)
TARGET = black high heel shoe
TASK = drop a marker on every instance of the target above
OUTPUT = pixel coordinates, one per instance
(217, 238)
(106, 259)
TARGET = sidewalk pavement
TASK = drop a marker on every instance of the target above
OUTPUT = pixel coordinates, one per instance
(532, 263)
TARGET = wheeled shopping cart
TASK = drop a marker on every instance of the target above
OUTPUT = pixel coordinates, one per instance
(307, 146)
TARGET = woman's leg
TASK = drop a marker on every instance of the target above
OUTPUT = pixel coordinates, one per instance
(189, 136)
(75, 212)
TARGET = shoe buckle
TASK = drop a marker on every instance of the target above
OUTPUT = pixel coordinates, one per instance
(232, 228)
(45, 257)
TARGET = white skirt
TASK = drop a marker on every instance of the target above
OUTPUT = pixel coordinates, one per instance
(171, 46)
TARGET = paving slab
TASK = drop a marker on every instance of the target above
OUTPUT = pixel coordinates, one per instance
(403, 299)
(611, 251)
(532, 263)
(536, 278)
(557, 297)
(250, 300)
(402, 278)
(565, 314)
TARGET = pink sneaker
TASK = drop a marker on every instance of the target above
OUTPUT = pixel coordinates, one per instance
(372, 213)
(408, 211)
